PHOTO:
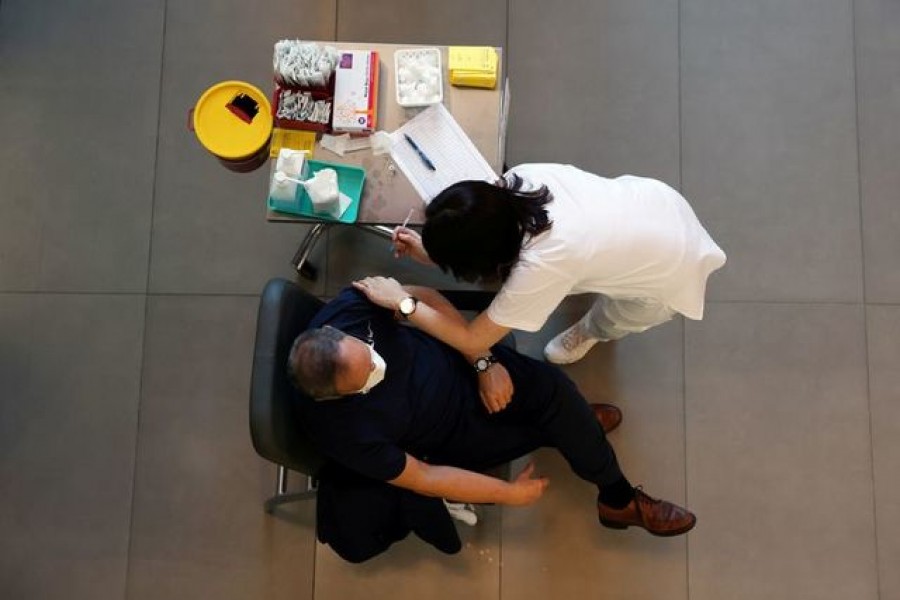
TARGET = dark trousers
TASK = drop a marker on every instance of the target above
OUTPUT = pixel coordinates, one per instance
(546, 410)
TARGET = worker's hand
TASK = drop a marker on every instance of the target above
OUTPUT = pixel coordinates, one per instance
(524, 489)
(408, 242)
(386, 292)
(495, 388)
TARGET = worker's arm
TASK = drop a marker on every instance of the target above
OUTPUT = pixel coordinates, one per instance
(437, 317)
(472, 339)
(460, 485)
(437, 301)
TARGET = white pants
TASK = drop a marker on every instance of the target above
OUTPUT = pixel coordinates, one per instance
(614, 318)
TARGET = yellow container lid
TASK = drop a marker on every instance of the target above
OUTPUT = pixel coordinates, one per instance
(233, 119)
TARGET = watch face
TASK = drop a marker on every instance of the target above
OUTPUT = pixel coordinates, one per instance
(484, 363)
(407, 306)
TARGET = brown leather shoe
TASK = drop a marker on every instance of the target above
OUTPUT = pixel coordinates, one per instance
(607, 415)
(659, 517)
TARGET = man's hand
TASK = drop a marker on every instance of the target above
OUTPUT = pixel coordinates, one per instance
(526, 490)
(386, 292)
(467, 486)
(408, 242)
(495, 388)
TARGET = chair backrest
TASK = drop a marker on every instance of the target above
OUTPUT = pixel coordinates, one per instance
(285, 311)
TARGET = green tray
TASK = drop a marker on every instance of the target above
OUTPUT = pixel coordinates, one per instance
(350, 182)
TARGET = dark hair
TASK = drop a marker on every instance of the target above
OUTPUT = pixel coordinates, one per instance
(313, 361)
(476, 229)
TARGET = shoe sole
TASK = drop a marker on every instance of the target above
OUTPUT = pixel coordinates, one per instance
(561, 362)
(569, 360)
(672, 533)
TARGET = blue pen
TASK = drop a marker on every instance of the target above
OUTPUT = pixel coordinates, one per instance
(421, 154)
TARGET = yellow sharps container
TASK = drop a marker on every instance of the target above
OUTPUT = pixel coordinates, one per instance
(233, 120)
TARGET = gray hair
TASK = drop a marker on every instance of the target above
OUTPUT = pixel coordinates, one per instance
(313, 362)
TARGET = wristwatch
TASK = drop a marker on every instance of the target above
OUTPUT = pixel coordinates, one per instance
(483, 363)
(407, 307)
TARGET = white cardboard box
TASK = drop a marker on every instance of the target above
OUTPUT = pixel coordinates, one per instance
(355, 91)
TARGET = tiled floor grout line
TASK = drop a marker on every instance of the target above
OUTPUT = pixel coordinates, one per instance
(501, 511)
(144, 333)
(66, 293)
(789, 302)
(254, 294)
(684, 431)
(205, 294)
(142, 294)
(337, 16)
(684, 423)
(680, 112)
(315, 559)
(324, 275)
(865, 312)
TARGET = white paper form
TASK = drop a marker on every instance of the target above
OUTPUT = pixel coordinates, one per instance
(443, 141)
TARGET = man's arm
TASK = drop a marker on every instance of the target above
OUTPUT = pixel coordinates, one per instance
(452, 483)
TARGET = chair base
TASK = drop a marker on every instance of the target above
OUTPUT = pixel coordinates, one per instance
(283, 497)
(278, 499)
(301, 257)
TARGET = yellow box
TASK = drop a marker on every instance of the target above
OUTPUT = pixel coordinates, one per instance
(293, 139)
(473, 66)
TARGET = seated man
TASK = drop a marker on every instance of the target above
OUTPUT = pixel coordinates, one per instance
(394, 404)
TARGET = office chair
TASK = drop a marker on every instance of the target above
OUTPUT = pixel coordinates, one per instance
(285, 311)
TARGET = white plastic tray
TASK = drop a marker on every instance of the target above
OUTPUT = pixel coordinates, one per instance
(434, 54)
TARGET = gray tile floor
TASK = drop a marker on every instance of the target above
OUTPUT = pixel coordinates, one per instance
(130, 263)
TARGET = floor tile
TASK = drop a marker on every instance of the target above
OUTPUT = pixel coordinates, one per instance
(769, 145)
(878, 70)
(884, 382)
(413, 569)
(78, 157)
(68, 418)
(556, 548)
(199, 530)
(16, 340)
(779, 453)
(210, 233)
(595, 84)
(433, 22)
(54, 43)
(20, 231)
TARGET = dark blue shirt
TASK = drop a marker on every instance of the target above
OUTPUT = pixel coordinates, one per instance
(428, 395)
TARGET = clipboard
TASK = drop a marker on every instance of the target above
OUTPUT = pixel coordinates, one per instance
(446, 145)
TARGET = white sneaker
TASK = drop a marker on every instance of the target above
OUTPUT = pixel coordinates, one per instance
(571, 345)
(462, 511)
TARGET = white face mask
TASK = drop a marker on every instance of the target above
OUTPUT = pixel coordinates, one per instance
(376, 375)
